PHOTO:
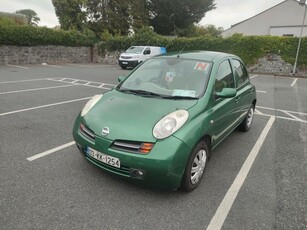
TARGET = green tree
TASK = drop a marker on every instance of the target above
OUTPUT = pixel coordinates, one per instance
(139, 14)
(167, 16)
(197, 31)
(31, 15)
(109, 15)
(71, 13)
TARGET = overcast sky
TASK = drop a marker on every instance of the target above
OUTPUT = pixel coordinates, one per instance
(227, 12)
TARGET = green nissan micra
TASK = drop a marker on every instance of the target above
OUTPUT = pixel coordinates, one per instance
(161, 122)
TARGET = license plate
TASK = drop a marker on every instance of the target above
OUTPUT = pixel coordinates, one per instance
(125, 63)
(104, 158)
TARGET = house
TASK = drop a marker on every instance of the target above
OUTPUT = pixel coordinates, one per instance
(283, 19)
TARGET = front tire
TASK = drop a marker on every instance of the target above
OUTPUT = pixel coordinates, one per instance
(248, 120)
(195, 167)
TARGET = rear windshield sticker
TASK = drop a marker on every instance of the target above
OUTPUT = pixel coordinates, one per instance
(184, 93)
(169, 76)
(202, 66)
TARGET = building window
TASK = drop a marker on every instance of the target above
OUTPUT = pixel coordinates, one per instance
(288, 35)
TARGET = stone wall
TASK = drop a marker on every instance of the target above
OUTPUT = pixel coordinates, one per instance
(110, 58)
(274, 64)
(271, 64)
(44, 54)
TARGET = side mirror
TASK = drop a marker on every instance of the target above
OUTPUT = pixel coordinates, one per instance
(226, 93)
(121, 78)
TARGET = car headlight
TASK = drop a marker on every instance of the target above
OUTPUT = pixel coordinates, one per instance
(90, 104)
(170, 124)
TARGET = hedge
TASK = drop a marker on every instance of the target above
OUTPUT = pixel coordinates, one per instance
(249, 48)
(33, 36)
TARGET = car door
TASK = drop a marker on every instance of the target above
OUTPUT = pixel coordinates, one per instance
(225, 110)
(245, 90)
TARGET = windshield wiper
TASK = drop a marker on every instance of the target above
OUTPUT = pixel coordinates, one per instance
(180, 97)
(141, 92)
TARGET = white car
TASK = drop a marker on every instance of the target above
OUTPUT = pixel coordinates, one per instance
(137, 54)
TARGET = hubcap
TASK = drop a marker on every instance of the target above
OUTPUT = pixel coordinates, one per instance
(250, 116)
(198, 166)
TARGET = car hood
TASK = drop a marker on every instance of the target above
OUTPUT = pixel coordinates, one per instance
(130, 117)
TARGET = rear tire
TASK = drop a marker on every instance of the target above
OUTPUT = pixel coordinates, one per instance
(195, 167)
(248, 120)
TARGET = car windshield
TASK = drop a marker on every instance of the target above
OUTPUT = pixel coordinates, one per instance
(135, 49)
(169, 78)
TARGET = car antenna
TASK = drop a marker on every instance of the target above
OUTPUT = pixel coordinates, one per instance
(178, 56)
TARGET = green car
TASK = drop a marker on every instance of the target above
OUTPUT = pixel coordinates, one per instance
(160, 124)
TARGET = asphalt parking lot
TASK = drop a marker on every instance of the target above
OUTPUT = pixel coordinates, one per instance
(254, 180)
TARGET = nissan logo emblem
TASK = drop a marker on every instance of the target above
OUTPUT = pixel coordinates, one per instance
(105, 131)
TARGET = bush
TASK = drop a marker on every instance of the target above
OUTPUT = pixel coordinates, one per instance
(34, 36)
(249, 48)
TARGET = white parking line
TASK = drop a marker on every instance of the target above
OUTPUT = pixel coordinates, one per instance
(294, 82)
(37, 79)
(37, 156)
(17, 66)
(44, 106)
(55, 66)
(81, 82)
(253, 76)
(221, 213)
(291, 115)
(88, 66)
(258, 112)
(259, 91)
(35, 89)
(281, 110)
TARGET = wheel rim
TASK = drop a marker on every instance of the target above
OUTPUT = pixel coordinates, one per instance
(198, 166)
(250, 116)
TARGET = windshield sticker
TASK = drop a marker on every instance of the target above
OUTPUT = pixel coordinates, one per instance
(169, 76)
(184, 93)
(202, 66)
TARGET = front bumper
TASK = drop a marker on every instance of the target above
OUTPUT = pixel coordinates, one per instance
(127, 63)
(162, 168)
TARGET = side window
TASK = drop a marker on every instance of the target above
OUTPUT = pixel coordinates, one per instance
(224, 77)
(146, 51)
(240, 73)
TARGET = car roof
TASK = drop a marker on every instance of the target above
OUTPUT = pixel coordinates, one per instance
(200, 55)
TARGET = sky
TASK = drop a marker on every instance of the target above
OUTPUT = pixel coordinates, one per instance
(227, 12)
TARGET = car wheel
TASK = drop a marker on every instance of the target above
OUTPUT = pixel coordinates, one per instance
(195, 167)
(248, 120)
(124, 67)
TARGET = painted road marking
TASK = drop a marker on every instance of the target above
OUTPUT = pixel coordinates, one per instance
(253, 76)
(37, 156)
(37, 79)
(291, 115)
(35, 89)
(88, 66)
(281, 110)
(221, 213)
(288, 113)
(44, 106)
(55, 66)
(259, 91)
(258, 112)
(81, 82)
(17, 66)
(294, 82)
